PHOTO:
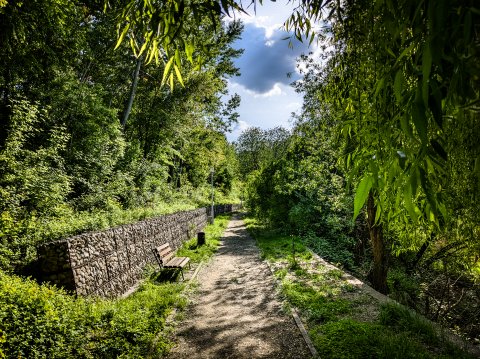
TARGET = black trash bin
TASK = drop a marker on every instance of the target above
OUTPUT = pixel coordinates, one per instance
(200, 238)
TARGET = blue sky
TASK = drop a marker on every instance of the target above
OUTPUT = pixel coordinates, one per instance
(268, 100)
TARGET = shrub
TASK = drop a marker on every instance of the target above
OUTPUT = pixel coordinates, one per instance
(39, 321)
(130, 327)
(402, 287)
(334, 249)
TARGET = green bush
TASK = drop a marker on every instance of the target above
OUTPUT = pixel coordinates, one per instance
(402, 287)
(400, 317)
(130, 327)
(336, 249)
(39, 321)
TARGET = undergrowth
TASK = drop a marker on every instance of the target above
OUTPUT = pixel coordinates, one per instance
(276, 246)
(42, 321)
(328, 304)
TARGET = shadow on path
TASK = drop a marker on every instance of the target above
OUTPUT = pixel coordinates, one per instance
(235, 313)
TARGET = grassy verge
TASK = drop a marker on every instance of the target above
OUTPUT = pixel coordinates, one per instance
(41, 321)
(212, 235)
(343, 320)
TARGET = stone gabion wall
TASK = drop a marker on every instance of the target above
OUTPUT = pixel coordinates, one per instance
(110, 262)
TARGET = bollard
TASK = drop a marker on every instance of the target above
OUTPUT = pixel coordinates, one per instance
(200, 238)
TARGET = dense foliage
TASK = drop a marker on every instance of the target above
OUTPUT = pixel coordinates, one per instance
(385, 147)
(89, 137)
(386, 137)
(42, 321)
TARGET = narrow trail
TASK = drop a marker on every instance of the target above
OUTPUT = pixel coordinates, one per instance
(235, 313)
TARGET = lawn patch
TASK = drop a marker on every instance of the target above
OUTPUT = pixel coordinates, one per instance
(213, 233)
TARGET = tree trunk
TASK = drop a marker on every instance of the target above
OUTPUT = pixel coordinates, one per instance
(411, 267)
(378, 275)
(133, 90)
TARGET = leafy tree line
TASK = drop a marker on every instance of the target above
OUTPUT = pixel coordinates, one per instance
(89, 135)
(402, 76)
(387, 136)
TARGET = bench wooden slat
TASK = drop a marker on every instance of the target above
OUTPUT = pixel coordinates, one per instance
(163, 246)
(185, 261)
(173, 263)
(165, 252)
(179, 261)
(166, 258)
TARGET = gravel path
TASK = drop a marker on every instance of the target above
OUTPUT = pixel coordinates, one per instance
(235, 313)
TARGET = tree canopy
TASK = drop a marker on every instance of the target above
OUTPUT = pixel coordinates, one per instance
(89, 137)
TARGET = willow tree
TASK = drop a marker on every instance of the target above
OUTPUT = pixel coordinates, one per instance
(399, 75)
(402, 77)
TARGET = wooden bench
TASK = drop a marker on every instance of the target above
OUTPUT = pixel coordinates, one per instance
(165, 257)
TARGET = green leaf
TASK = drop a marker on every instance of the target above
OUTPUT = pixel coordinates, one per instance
(189, 51)
(389, 50)
(178, 60)
(122, 36)
(142, 49)
(167, 70)
(361, 194)
(404, 53)
(378, 213)
(380, 85)
(405, 126)
(398, 85)
(179, 75)
(420, 121)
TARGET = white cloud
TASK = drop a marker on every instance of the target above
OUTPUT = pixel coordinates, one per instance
(265, 112)
(242, 126)
(267, 98)
(266, 62)
(276, 90)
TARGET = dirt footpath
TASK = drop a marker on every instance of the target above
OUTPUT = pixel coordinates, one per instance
(235, 313)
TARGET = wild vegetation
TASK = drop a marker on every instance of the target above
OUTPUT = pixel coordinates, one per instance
(343, 320)
(89, 137)
(38, 321)
(384, 150)
(380, 173)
